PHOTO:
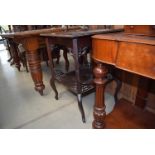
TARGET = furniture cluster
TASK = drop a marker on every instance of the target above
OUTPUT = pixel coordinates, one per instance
(96, 50)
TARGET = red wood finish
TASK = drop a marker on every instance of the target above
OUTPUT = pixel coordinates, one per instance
(135, 54)
(127, 116)
(137, 58)
(127, 52)
(31, 45)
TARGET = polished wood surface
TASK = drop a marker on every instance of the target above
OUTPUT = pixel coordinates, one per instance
(127, 52)
(80, 33)
(132, 53)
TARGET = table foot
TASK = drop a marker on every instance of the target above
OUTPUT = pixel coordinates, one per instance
(54, 88)
(79, 96)
(98, 125)
(18, 67)
(40, 88)
(12, 63)
(10, 59)
(41, 92)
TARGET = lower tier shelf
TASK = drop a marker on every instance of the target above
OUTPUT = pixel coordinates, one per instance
(69, 80)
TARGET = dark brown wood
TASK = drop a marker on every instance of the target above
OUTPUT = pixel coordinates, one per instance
(52, 83)
(100, 73)
(80, 33)
(14, 54)
(77, 41)
(19, 28)
(142, 93)
(131, 53)
(65, 51)
(23, 60)
(77, 73)
(10, 30)
(10, 50)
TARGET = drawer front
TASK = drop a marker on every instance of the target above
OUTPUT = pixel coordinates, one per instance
(137, 58)
(104, 50)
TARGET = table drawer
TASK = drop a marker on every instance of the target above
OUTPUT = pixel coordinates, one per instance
(137, 58)
(104, 50)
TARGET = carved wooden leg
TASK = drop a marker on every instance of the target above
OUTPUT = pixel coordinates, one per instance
(100, 73)
(10, 58)
(8, 48)
(35, 69)
(79, 97)
(77, 72)
(15, 55)
(65, 51)
(31, 45)
(52, 80)
(52, 83)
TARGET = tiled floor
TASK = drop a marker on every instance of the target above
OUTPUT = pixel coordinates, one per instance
(22, 107)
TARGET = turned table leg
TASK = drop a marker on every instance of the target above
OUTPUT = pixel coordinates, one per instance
(99, 113)
(34, 62)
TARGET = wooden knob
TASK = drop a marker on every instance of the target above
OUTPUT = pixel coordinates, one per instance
(100, 71)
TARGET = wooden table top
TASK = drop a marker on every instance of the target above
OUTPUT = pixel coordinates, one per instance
(127, 38)
(79, 33)
(35, 32)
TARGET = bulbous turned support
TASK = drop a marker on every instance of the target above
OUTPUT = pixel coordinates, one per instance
(99, 113)
(35, 70)
(31, 44)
